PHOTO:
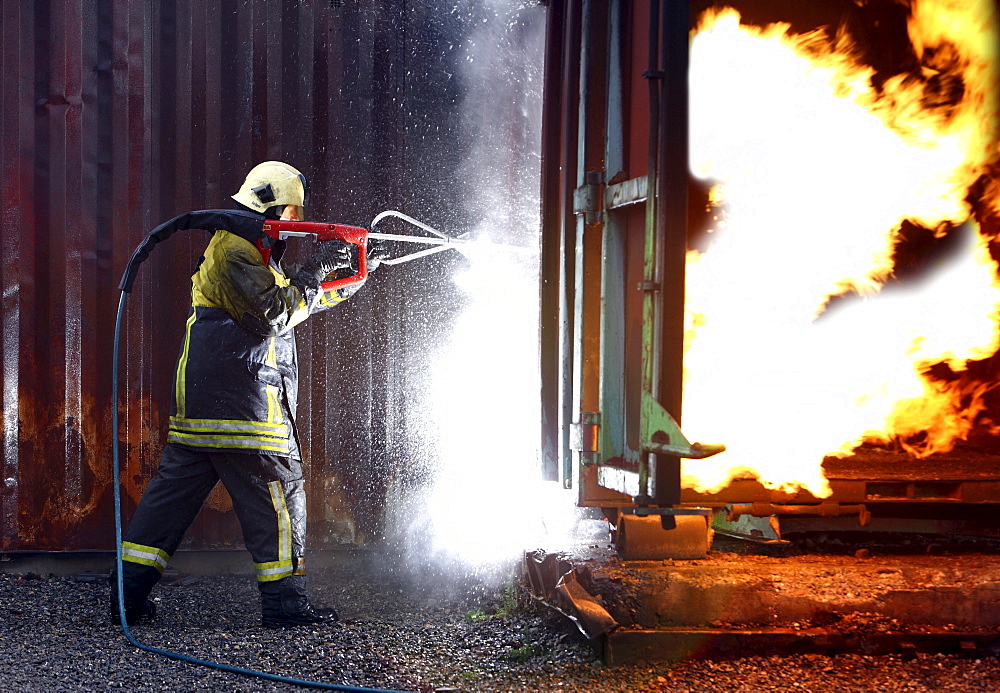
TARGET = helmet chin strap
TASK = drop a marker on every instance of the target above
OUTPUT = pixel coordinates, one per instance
(274, 212)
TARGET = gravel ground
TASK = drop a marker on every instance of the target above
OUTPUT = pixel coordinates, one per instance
(55, 635)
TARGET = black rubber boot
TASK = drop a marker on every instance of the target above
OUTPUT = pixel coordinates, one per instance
(137, 581)
(284, 604)
(136, 610)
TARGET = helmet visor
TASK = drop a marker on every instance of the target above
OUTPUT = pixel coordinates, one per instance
(305, 190)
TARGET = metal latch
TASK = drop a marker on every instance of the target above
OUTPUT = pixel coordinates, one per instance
(824, 509)
(625, 193)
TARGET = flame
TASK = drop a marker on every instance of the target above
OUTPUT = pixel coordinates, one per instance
(802, 342)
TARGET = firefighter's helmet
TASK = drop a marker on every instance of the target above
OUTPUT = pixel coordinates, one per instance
(273, 184)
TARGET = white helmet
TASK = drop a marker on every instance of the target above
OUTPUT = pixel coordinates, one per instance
(273, 184)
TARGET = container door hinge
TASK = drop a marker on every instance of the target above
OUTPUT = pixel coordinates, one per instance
(588, 198)
(585, 437)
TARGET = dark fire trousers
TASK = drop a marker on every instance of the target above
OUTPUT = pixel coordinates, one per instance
(268, 497)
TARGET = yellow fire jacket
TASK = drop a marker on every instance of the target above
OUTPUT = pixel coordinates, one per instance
(236, 383)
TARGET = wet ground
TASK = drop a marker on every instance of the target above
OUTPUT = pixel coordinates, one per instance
(394, 634)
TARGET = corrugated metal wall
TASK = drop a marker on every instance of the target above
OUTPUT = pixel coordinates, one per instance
(119, 114)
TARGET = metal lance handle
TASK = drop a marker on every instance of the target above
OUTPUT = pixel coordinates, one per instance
(355, 235)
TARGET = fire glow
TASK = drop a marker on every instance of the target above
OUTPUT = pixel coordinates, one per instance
(800, 344)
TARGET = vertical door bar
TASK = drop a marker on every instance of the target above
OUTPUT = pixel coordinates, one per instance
(550, 291)
(671, 230)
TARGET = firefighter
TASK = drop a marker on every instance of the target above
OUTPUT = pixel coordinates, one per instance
(233, 413)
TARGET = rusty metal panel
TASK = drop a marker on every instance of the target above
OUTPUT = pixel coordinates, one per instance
(119, 114)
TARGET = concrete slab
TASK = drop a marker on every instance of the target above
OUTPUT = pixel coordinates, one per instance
(727, 603)
(629, 646)
(729, 590)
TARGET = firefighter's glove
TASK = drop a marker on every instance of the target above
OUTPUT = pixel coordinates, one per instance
(331, 256)
(377, 252)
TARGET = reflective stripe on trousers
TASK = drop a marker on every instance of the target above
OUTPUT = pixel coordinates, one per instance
(145, 555)
(268, 498)
(281, 568)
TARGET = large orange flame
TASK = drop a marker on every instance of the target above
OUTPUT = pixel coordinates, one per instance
(802, 342)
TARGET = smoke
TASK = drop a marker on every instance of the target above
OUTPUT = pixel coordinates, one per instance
(479, 503)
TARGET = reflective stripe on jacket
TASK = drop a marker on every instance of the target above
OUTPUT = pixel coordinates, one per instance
(236, 383)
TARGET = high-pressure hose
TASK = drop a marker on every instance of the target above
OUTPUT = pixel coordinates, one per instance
(118, 548)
